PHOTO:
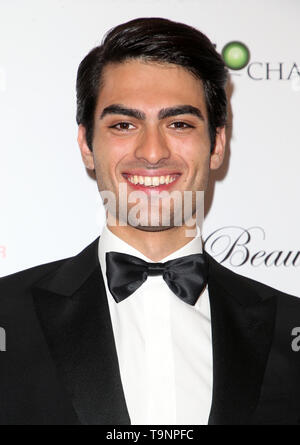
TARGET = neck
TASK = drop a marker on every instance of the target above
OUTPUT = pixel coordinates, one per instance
(156, 245)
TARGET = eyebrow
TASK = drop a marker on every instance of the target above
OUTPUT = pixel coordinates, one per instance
(162, 114)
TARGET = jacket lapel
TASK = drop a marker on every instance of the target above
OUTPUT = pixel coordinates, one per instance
(72, 307)
(73, 310)
(243, 318)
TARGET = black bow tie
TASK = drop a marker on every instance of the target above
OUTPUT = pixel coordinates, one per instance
(185, 276)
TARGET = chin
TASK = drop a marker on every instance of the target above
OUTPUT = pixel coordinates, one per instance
(153, 228)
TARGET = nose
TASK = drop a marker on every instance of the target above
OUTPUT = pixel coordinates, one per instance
(152, 146)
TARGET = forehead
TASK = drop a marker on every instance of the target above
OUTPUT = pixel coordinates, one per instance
(144, 83)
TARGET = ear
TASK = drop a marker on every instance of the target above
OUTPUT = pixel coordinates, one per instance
(217, 156)
(86, 153)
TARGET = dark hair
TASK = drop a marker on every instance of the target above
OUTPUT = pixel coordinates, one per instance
(161, 40)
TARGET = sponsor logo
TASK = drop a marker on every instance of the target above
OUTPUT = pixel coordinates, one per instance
(3, 253)
(241, 61)
(236, 55)
(236, 245)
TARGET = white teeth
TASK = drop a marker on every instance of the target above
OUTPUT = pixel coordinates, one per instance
(151, 181)
(147, 181)
(155, 181)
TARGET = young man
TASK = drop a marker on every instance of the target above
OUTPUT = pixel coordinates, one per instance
(143, 326)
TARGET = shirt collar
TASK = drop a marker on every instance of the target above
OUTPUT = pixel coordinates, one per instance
(109, 242)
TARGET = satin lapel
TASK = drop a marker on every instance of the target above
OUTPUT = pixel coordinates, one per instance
(73, 311)
(243, 321)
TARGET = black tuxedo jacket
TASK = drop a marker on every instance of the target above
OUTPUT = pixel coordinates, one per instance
(61, 367)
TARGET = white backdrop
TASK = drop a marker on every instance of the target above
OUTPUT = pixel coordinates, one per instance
(50, 208)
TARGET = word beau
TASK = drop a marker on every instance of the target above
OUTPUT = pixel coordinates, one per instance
(237, 245)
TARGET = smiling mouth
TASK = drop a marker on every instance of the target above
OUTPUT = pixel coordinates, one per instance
(151, 182)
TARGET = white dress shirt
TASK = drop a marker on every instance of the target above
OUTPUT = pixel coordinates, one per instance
(164, 345)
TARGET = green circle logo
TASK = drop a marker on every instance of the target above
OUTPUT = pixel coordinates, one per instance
(236, 55)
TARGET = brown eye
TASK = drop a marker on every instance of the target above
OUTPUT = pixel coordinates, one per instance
(181, 125)
(122, 126)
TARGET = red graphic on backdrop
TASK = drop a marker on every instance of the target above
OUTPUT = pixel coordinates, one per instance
(3, 253)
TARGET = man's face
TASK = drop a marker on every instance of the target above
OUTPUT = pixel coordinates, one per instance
(151, 120)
